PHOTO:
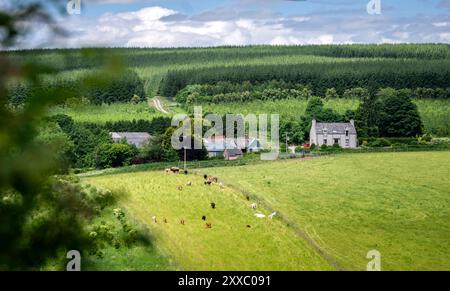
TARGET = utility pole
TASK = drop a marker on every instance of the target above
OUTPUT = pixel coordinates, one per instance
(287, 149)
(184, 158)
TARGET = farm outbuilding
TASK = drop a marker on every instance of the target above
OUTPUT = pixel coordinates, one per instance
(217, 145)
(232, 154)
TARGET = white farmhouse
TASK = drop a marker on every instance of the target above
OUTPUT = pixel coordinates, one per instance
(343, 134)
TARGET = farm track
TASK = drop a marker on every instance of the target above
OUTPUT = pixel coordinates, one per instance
(158, 105)
(300, 232)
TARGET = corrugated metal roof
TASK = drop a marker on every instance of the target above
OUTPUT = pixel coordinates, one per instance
(138, 139)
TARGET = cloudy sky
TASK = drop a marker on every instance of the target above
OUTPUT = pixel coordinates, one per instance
(189, 23)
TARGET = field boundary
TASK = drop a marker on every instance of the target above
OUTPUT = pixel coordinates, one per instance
(284, 219)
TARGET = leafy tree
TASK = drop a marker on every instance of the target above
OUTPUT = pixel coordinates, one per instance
(86, 139)
(153, 151)
(367, 116)
(53, 138)
(192, 154)
(38, 219)
(293, 129)
(389, 113)
(399, 116)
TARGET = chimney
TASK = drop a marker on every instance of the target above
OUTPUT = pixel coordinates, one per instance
(352, 122)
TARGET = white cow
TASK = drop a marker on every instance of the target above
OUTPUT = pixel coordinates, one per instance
(259, 215)
(253, 206)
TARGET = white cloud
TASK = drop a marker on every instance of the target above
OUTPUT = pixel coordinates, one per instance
(441, 24)
(161, 27)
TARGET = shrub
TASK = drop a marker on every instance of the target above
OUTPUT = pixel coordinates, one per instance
(331, 94)
(380, 142)
(114, 155)
(135, 99)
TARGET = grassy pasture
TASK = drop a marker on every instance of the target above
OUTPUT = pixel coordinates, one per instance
(108, 112)
(229, 244)
(397, 203)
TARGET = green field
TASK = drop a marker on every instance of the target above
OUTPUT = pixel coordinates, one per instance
(330, 210)
(229, 244)
(108, 112)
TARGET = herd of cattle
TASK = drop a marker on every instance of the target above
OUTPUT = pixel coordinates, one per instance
(208, 180)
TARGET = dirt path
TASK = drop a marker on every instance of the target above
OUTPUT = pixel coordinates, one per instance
(158, 105)
(300, 232)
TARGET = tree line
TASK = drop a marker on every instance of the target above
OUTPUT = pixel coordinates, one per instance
(70, 59)
(103, 88)
(372, 74)
(225, 92)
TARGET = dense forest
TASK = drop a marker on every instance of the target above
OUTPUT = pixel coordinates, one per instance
(167, 71)
(373, 74)
(69, 59)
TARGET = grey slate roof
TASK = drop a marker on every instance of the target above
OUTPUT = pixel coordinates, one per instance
(138, 139)
(335, 127)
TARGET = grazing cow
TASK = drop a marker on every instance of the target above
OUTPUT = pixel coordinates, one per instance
(208, 225)
(213, 205)
(189, 183)
(203, 218)
(259, 215)
(253, 206)
(212, 179)
(154, 219)
(182, 222)
(272, 215)
(175, 170)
